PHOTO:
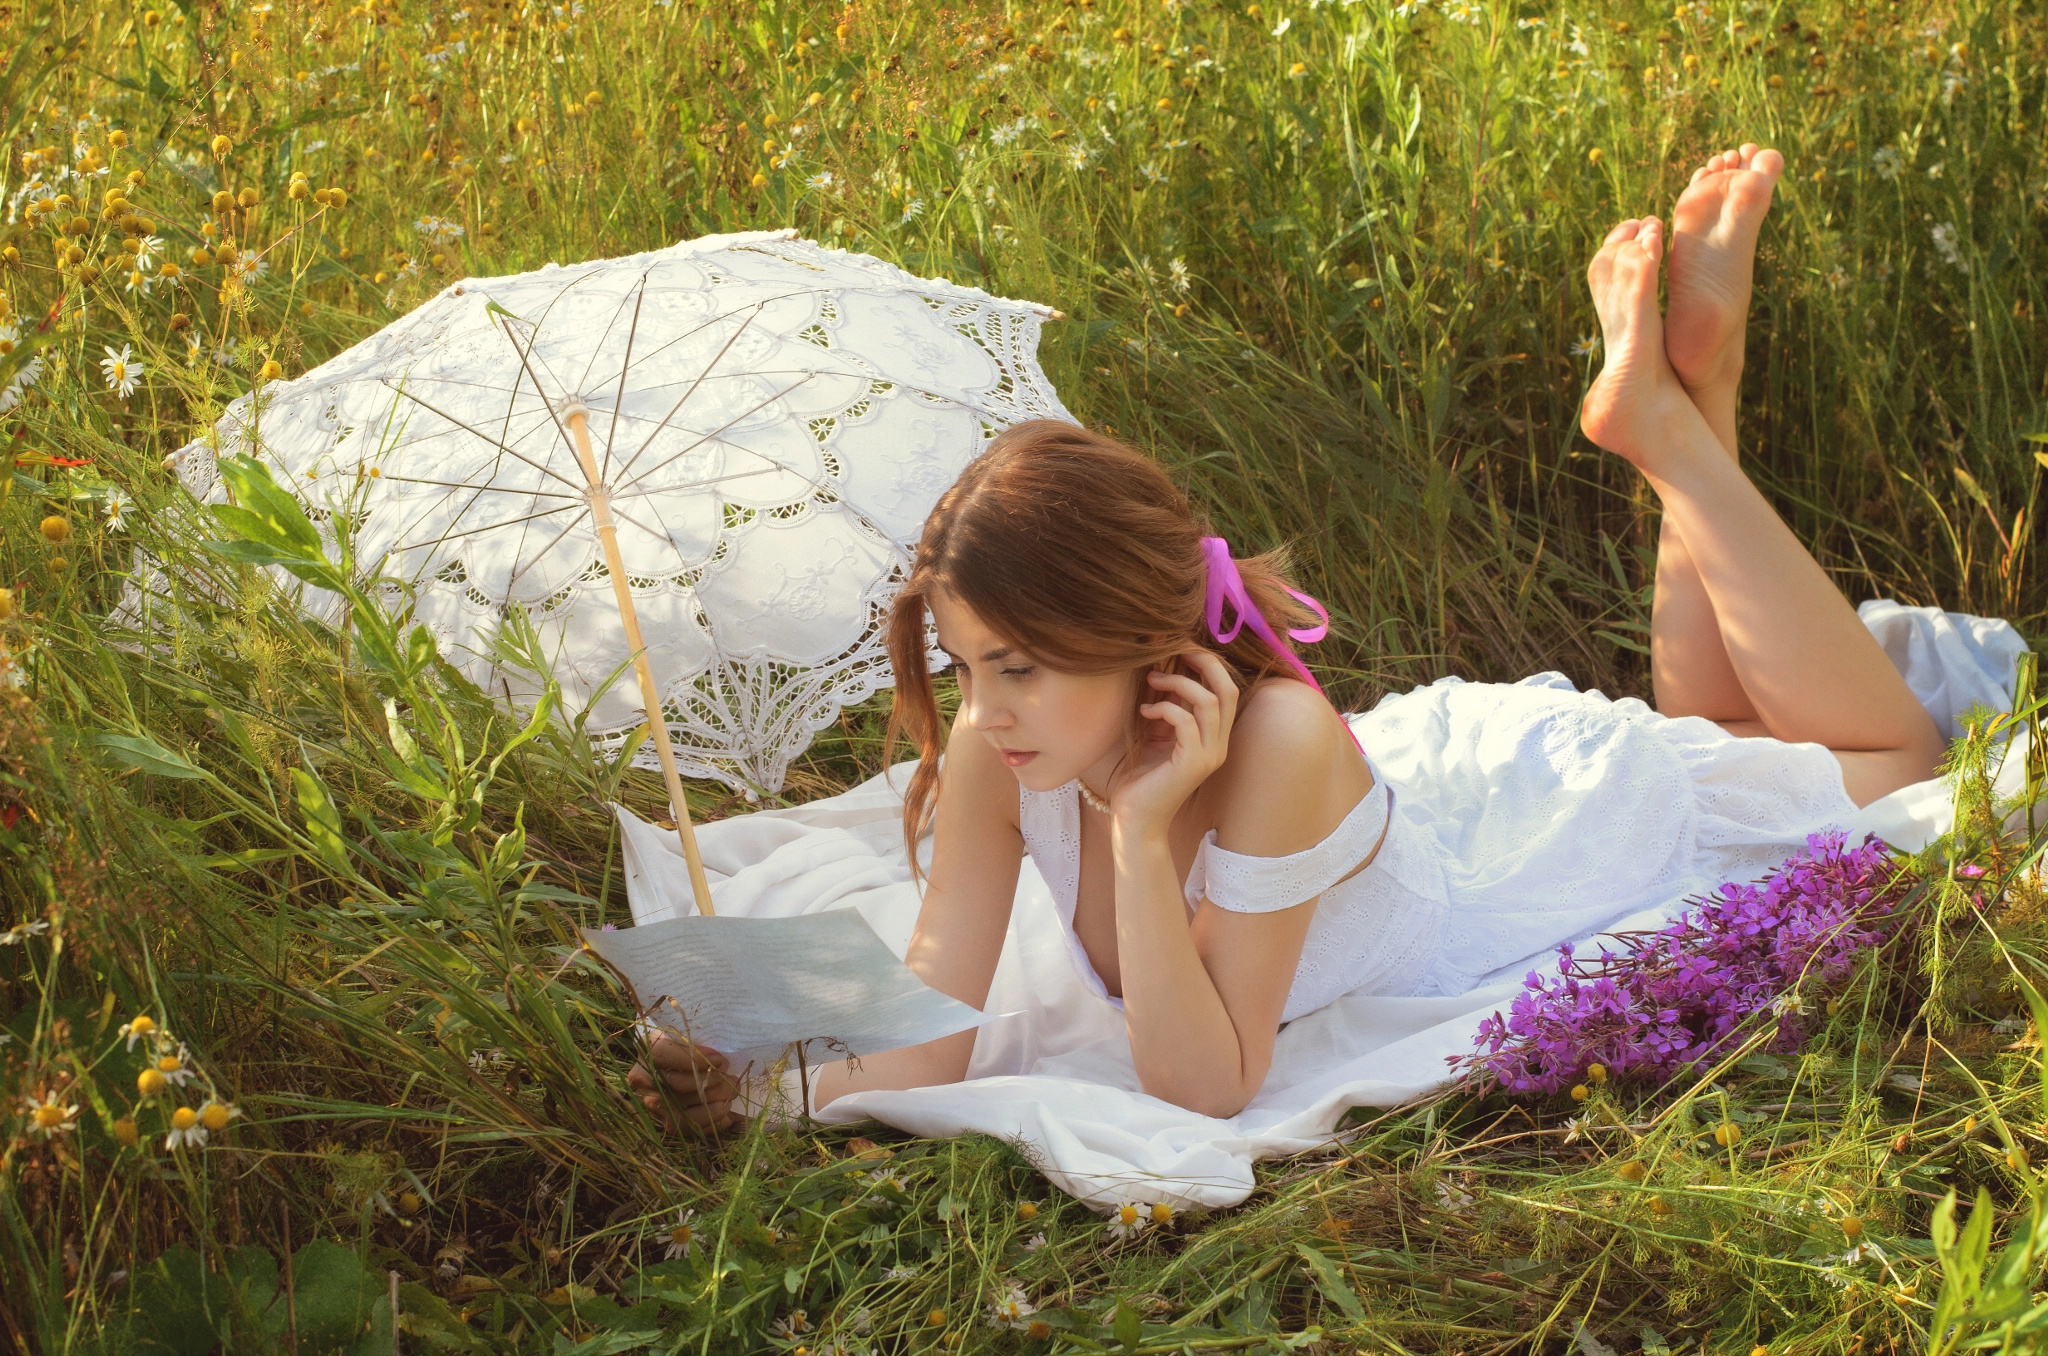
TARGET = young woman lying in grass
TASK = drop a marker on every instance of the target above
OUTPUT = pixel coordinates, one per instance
(1225, 854)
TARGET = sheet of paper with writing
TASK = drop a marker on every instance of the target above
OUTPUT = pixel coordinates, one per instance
(750, 987)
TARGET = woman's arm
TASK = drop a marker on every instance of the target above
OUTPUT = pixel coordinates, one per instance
(1203, 997)
(977, 853)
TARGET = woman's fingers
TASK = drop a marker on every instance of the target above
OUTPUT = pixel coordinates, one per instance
(672, 1054)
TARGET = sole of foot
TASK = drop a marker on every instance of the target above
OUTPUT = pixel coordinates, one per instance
(1630, 405)
(1713, 252)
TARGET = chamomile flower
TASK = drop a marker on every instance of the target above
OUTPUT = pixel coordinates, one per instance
(682, 1238)
(21, 932)
(1127, 1221)
(1177, 273)
(216, 1114)
(796, 1321)
(821, 181)
(10, 395)
(152, 248)
(1011, 1309)
(48, 1116)
(1078, 157)
(138, 1028)
(185, 1129)
(247, 268)
(117, 503)
(174, 1069)
(911, 211)
(1588, 344)
(1033, 1243)
(439, 230)
(10, 339)
(121, 369)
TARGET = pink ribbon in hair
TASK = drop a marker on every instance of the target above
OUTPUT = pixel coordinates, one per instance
(1226, 585)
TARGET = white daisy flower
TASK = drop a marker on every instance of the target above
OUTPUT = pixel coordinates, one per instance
(21, 932)
(185, 1129)
(49, 1117)
(682, 1238)
(1588, 344)
(121, 369)
(1033, 1243)
(1127, 1221)
(117, 502)
(1010, 1309)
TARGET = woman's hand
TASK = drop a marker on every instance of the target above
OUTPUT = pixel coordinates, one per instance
(1198, 716)
(690, 1086)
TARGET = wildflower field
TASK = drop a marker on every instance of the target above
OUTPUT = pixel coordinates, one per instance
(298, 1053)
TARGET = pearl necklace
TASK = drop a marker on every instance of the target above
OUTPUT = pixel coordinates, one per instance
(1093, 801)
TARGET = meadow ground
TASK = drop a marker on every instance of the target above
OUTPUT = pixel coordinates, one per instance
(1323, 259)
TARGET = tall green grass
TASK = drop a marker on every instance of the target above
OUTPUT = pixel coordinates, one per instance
(1324, 261)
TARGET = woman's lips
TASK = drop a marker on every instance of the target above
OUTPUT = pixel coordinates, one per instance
(1018, 757)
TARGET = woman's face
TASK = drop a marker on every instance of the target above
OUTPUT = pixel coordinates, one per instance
(1050, 726)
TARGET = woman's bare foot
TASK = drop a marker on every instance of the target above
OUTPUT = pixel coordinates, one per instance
(1713, 247)
(1637, 401)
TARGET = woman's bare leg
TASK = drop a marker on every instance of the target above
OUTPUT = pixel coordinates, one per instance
(1810, 668)
(1713, 246)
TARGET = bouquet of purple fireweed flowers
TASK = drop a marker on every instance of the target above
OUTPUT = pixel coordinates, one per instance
(1678, 996)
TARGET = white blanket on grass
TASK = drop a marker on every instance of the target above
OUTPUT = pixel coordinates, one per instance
(1057, 1079)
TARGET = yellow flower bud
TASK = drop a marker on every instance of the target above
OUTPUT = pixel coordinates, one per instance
(125, 1132)
(248, 197)
(201, 257)
(1580, 1092)
(184, 1118)
(299, 191)
(1660, 1206)
(814, 100)
(56, 528)
(1635, 1170)
(1595, 155)
(142, 1025)
(223, 202)
(1852, 1227)
(222, 147)
(408, 1201)
(271, 370)
(150, 1082)
(760, 180)
(593, 99)
(337, 198)
(1025, 1209)
(1596, 1074)
(7, 610)
(117, 138)
(2018, 1159)
(936, 1318)
(214, 1116)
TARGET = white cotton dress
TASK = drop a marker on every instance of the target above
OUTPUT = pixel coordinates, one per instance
(1516, 816)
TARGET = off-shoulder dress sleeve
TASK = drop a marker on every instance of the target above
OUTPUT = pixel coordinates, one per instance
(1246, 884)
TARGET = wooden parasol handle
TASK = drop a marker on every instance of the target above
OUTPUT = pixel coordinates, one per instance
(601, 513)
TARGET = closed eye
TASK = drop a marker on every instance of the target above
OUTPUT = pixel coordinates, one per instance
(1020, 672)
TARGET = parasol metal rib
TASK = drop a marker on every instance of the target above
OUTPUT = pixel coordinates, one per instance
(601, 512)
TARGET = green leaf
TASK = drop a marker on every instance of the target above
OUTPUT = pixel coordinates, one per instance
(1335, 1288)
(323, 821)
(792, 1280)
(1128, 1327)
(141, 752)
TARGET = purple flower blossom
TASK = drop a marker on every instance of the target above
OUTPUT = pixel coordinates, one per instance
(1679, 995)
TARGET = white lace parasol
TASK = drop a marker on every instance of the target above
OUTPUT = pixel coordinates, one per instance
(770, 422)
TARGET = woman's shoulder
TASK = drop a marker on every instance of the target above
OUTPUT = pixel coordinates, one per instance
(1292, 775)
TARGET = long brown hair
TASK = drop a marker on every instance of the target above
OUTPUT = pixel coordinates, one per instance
(1081, 552)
